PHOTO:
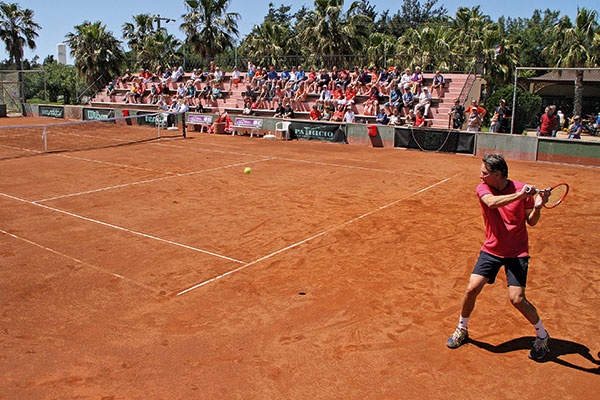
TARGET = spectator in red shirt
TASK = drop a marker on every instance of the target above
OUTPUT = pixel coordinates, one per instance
(548, 122)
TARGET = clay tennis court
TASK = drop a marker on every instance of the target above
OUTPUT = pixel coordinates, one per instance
(159, 270)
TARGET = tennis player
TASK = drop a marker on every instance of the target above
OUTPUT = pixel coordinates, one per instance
(507, 207)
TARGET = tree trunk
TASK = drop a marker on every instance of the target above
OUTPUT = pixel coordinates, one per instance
(578, 96)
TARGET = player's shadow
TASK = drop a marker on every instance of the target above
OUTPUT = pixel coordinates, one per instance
(558, 347)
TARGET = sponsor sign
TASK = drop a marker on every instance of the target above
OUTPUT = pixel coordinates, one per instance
(52, 111)
(317, 131)
(96, 114)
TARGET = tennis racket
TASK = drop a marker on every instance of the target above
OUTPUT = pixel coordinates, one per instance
(557, 194)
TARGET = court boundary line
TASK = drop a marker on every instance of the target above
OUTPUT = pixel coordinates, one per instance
(123, 229)
(308, 239)
(84, 263)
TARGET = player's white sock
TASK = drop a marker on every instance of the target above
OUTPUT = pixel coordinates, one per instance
(463, 322)
(540, 331)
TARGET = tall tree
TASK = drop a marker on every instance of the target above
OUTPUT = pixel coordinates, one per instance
(412, 15)
(135, 32)
(327, 30)
(97, 53)
(17, 30)
(210, 30)
(531, 36)
(150, 42)
(576, 46)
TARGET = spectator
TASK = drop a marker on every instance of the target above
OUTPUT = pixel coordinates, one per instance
(498, 117)
(438, 82)
(280, 110)
(125, 79)
(327, 113)
(338, 115)
(285, 75)
(349, 116)
(299, 97)
(248, 110)
(177, 75)
(395, 118)
(405, 79)
(419, 118)
(416, 81)
(395, 98)
(371, 105)
(272, 75)
(575, 128)
(300, 74)
(324, 99)
(410, 117)
(289, 111)
(408, 100)
(562, 119)
(548, 122)
(146, 76)
(424, 102)
(250, 73)
(338, 95)
(322, 80)
(480, 110)
(111, 89)
(382, 117)
(315, 113)
(236, 78)
(218, 78)
(474, 122)
(350, 95)
(457, 115)
(249, 93)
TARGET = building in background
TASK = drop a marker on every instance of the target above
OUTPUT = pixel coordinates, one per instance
(61, 52)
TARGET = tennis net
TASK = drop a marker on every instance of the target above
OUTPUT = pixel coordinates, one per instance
(22, 141)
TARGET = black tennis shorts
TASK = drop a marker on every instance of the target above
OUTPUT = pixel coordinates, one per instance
(489, 265)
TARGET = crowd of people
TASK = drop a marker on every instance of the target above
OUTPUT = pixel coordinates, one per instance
(393, 97)
(402, 96)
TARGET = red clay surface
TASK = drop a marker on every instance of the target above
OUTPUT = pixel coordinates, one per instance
(162, 271)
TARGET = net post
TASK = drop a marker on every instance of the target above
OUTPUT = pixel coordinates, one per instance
(45, 139)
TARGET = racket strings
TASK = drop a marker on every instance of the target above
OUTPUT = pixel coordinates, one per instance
(557, 195)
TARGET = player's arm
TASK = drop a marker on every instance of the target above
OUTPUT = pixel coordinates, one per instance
(497, 201)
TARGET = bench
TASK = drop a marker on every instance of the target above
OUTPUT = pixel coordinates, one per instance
(203, 121)
(246, 124)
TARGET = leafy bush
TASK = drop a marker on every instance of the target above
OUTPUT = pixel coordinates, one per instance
(527, 107)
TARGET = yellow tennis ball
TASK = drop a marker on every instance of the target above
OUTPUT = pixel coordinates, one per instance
(247, 170)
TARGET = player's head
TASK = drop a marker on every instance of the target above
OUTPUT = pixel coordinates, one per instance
(495, 163)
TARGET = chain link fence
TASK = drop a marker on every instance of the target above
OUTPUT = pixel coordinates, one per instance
(572, 92)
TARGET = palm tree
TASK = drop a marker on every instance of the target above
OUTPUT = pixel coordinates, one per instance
(328, 31)
(270, 42)
(97, 53)
(149, 44)
(209, 28)
(17, 29)
(159, 48)
(576, 46)
(136, 32)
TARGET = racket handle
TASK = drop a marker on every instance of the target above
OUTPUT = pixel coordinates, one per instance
(531, 189)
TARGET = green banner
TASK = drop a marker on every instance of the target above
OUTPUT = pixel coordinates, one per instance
(317, 131)
(52, 111)
(95, 114)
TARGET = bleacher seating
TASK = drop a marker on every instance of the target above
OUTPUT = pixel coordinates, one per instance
(232, 100)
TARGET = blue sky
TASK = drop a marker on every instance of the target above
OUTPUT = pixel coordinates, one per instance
(58, 17)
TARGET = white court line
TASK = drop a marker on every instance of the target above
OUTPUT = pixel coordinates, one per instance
(163, 178)
(120, 228)
(343, 224)
(94, 267)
